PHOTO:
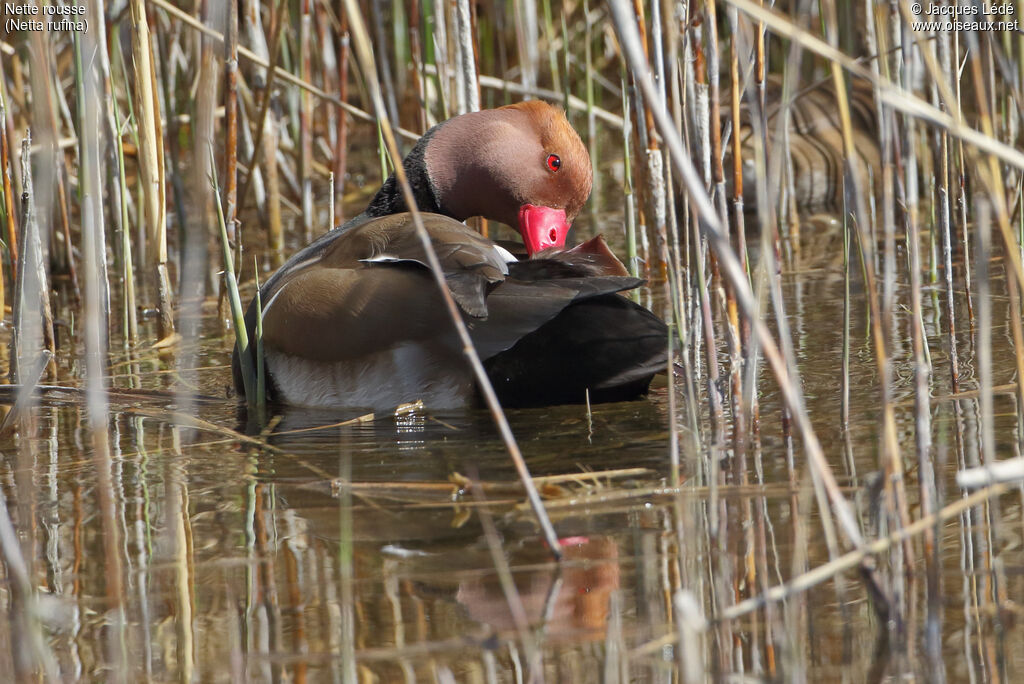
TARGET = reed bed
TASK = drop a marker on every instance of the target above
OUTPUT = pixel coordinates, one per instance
(161, 163)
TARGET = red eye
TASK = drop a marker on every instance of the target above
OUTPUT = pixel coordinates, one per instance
(554, 163)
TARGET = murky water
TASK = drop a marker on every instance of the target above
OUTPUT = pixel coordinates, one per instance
(253, 561)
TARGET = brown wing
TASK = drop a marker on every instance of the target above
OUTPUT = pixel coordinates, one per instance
(458, 248)
(368, 289)
(337, 314)
(469, 261)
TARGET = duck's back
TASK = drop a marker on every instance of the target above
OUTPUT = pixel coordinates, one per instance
(357, 320)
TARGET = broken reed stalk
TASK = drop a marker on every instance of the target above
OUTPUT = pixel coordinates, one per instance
(736, 93)
(684, 251)
(151, 159)
(33, 317)
(8, 201)
(365, 56)
(382, 154)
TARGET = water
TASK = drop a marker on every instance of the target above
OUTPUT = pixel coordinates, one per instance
(255, 562)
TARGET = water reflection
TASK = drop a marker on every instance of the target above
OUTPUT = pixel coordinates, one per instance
(563, 600)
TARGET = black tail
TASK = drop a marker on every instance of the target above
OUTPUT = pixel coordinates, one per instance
(605, 344)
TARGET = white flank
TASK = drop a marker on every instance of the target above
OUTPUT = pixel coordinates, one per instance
(379, 381)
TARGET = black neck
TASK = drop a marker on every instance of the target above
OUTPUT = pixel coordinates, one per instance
(389, 200)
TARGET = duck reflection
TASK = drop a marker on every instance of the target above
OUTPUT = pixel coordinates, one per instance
(570, 597)
(562, 598)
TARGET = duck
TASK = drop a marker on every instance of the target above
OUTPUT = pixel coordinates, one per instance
(355, 319)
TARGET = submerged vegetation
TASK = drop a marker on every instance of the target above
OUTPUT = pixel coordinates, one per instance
(830, 220)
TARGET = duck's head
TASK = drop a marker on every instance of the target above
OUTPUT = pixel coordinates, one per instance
(522, 165)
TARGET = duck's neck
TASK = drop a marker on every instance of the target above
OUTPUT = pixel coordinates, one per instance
(389, 199)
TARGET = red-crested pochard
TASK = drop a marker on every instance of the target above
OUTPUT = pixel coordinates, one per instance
(355, 319)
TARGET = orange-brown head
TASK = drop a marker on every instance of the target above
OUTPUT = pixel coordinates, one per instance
(522, 165)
